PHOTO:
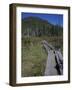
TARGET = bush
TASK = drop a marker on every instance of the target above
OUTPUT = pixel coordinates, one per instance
(26, 41)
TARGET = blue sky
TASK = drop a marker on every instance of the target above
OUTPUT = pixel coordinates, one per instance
(52, 18)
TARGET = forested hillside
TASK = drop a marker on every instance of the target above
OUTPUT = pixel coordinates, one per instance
(35, 26)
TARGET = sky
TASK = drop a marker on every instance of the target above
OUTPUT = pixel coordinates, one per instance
(56, 19)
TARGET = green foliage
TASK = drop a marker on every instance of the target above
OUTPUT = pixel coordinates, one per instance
(26, 42)
(33, 59)
(34, 56)
(34, 26)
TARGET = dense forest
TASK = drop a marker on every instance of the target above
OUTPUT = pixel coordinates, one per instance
(35, 26)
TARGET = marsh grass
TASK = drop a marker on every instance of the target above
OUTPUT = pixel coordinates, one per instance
(34, 56)
(33, 60)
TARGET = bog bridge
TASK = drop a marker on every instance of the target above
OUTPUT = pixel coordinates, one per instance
(54, 63)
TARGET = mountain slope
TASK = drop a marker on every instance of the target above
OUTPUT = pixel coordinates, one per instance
(35, 26)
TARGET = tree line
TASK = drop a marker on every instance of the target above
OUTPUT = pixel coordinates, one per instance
(35, 26)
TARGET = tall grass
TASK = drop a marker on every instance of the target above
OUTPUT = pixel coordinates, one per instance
(33, 58)
(33, 55)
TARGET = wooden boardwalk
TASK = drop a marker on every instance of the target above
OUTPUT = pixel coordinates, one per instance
(54, 60)
(50, 64)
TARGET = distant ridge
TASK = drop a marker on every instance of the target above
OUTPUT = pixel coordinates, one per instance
(32, 18)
